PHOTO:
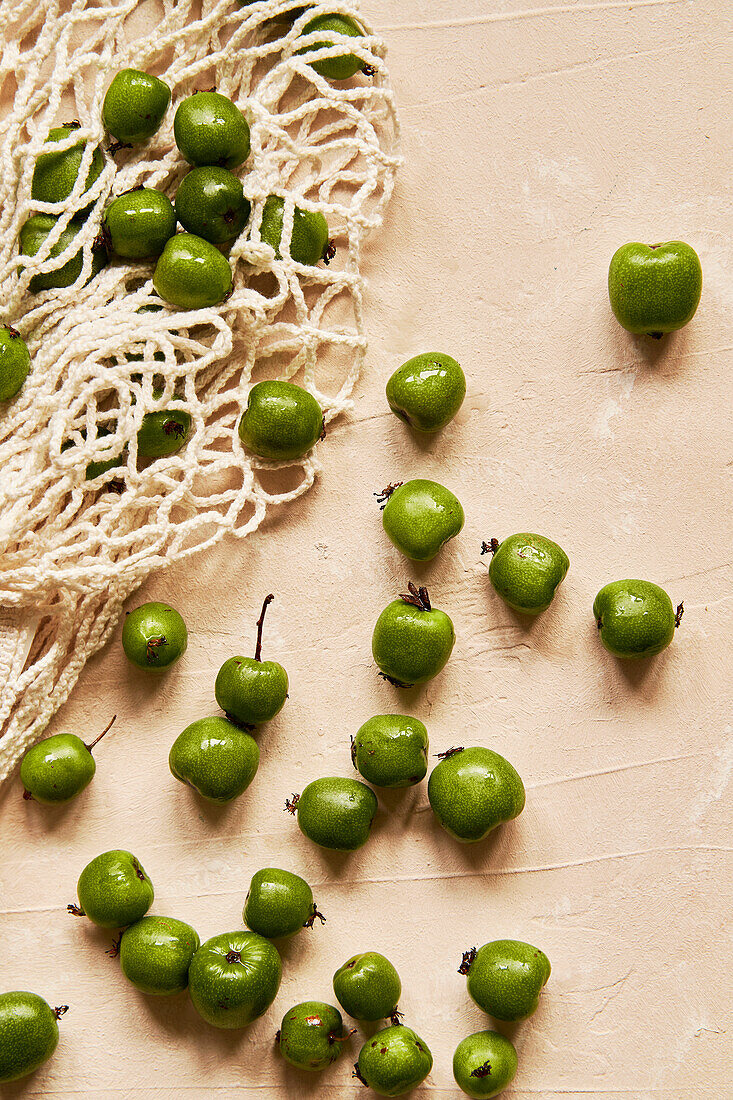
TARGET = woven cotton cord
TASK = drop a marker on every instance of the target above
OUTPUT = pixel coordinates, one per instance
(72, 549)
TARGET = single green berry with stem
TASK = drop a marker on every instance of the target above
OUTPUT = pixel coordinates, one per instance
(58, 769)
(391, 750)
(368, 987)
(335, 813)
(282, 421)
(210, 129)
(427, 391)
(526, 570)
(484, 1063)
(279, 903)
(309, 241)
(191, 273)
(15, 362)
(420, 516)
(472, 790)
(343, 64)
(113, 890)
(393, 1061)
(154, 635)
(312, 1035)
(635, 618)
(249, 690)
(506, 977)
(155, 954)
(210, 203)
(412, 640)
(654, 289)
(138, 224)
(29, 1033)
(234, 978)
(134, 106)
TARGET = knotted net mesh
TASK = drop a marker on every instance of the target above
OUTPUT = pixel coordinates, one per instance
(74, 547)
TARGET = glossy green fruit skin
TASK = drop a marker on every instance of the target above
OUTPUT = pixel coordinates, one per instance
(138, 224)
(57, 769)
(163, 433)
(420, 517)
(56, 173)
(391, 750)
(309, 238)
(394, 1061)
(15, 362)
(32, 236)
(337, 813)
(191, 273)
(507, 977)
(477, 1053)
(278, 903)
(427, 391)
(145, 626)
(473, 791)
(215, 757)
(526, 571)
(334, 68)
(634, 618)
(29, 1034)
(211, 204)
(654, 289)
(156, 953)
(233, 994)
(368, 987)
(282, 421)
(411, 646)
(134, 106)
(310, 1035)
(114, 890)
(210, 129)
(251, 691)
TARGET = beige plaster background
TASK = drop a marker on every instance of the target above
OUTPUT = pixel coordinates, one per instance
(536, 141)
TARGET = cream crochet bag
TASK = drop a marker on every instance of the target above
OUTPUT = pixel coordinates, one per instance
(72, 550)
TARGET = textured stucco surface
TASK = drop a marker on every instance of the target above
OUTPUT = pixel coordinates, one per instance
(536, 140)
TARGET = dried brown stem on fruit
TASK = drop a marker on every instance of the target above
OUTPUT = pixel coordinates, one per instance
(395, 683)
(341, 1038)
(489, 547)
(384, 494)
(75, 910)
(481, 1071)
(151, 647)
(233, 957)
(60, 1011)
(329, 253)
(418, 597)
(312, 918)
(467, 961)
(114, 950)
(449, 752)
(368, 70)
(678, 614)
(357, 1073)
(291, 804)
(396, 1018)
(260, 623)
(106, 729)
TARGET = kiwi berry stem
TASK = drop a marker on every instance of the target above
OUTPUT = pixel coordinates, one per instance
(481, 1071)
(384, 494)
(260, 623)
(312, 918)
(467, 961)
(107, 728)
(449, 752)
(291, 804)
(77, 912)
(114, 950)
(678, 614)
(489, 547)
(396, 1018)
(60, 1010)
(418, 597)
(357, 1074)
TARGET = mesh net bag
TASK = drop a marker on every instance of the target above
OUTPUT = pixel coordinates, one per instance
(77, 542)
